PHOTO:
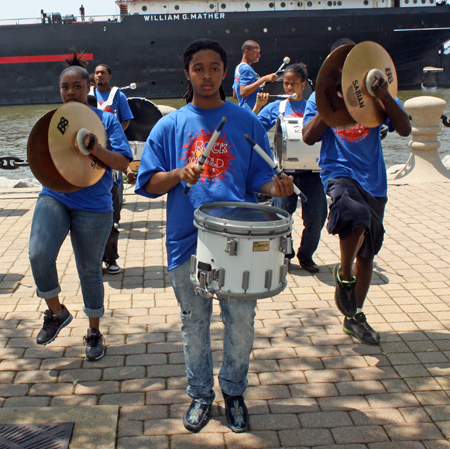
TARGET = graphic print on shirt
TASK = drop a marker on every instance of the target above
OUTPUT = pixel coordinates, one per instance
(219, 160)
(107, 108)
(356, 133)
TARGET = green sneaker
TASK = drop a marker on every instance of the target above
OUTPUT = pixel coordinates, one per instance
(359, 328)
(345, 293)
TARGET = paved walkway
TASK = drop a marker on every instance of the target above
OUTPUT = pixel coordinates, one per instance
(310, 385)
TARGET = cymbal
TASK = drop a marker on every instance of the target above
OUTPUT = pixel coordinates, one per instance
(330, 104)
(79, 169)
(40, 161)
(364, 61)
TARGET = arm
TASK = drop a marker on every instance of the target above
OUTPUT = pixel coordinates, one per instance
(245, 91)
(161, 182)
(278, 187)
(261, 100)
(313, 130)
(113, 159)
(398, 117)
(125, 124)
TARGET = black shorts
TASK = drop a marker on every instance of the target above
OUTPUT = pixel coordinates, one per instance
(352, 207)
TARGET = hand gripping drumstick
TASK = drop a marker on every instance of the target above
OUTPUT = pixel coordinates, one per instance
(293, 96)
(286, 61)
(208, 149)
(272, 163)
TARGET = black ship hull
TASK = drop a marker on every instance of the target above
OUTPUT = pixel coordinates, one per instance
(147, 50)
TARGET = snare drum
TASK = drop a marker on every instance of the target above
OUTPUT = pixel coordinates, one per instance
(290, 150)
(241, 250)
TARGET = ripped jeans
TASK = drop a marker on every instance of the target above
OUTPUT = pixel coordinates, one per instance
(238, 317)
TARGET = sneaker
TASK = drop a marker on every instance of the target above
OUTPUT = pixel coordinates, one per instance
(345, 294)
(236, 413)
(52, 325)
(359, 328)
(309, 265)
(196, 416)
(113, 268)
(95, 344)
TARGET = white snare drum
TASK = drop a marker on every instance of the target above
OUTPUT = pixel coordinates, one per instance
(241, 250)
(290, 150)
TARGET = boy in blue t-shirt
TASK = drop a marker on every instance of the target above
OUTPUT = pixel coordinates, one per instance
(247, 82)
(354, 177)
(232, 172)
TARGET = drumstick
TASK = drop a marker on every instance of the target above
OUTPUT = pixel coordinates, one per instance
(286, 61)
(131, 86)
(273, 164)
(293, 96)
(208, 148)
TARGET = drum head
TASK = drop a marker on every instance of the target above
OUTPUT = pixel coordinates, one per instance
(146, 114)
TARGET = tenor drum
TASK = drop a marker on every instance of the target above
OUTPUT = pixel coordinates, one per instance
(241, 250)
(145, 114)
(289, 149)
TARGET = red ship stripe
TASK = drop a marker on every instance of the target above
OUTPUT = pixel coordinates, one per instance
(39, 58)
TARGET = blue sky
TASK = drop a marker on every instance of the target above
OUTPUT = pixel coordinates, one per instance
(32, 8)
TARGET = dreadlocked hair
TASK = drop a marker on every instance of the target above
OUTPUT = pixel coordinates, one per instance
(76, 62)
(194, 47)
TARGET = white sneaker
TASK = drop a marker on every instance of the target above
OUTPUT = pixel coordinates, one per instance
(113, 268)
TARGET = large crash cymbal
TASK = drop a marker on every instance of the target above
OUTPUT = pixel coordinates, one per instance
(364, 61)
(330, 104)
(79, 169)
(40, 161)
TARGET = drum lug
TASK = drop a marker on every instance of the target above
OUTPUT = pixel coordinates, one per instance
(219, 276)
(283, 272)
(286, 244)
(231, 248)
(268, 280)
(245, 280)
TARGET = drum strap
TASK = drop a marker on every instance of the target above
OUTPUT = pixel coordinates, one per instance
(110, 99)
(283, 105)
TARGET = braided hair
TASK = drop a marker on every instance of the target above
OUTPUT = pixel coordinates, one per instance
(194, 47)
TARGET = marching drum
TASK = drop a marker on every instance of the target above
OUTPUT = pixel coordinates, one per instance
(241, 250)
(146, 114)
(290, 151)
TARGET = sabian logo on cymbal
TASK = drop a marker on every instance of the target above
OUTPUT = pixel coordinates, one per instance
(358, 94)
(354, 95)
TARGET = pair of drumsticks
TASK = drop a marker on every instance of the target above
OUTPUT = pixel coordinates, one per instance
(254, 145)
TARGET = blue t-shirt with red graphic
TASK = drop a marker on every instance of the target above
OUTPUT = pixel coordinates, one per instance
(354, 152)
(244, 75)
(97, 198)
(232, 172)
(269, 113)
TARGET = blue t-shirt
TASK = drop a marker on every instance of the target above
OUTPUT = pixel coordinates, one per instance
(233, 170)
(244, 75)
(353, 152)
(119, 108)
(269, 113)
(97, 198)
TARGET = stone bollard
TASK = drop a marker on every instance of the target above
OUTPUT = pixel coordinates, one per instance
(424, 163)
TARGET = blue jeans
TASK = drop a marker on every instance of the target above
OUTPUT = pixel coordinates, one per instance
(238, 317)
(89, 231)
(314, 211)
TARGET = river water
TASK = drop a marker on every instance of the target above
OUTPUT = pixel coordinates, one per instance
(16, 123)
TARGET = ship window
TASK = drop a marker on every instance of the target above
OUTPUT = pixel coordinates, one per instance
(271, 5)
(366, 2)
(329, 28)
(144, 8)
(153, 83)
(309, 4)
(265, 30)
(209, 32)
(223, 5)
(339, 4)
(330, 3)
(293, 30)
(247, 5)
(177, 7)
(227, 31)
(246, 31)
(338, 28)
(406, 1)
(423, 1)
(152, 42)
(282, 4)
(415, 1)
(211, 6)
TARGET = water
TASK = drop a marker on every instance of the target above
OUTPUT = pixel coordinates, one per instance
(16, 123)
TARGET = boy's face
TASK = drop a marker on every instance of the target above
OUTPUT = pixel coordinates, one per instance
(102, 76)
(254, 54)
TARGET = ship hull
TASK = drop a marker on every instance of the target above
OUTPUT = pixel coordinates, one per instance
(147, 50)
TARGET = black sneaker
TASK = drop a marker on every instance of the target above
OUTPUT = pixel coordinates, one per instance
(52, 325)
(196, 416)
(236, 413)
(309, 265)
(359, 328)
(113, 268)
(345, 294)
(95, 344)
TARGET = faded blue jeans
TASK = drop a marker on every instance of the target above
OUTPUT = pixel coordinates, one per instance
(238, 317)
(314, 211)
(89, 231)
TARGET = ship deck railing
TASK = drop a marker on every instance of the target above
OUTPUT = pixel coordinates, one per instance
(65, 20)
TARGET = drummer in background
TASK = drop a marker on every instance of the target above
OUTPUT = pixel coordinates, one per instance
(114, 101)
(354, 177)
(233, 172)
(314, 211)
(87, 214)
(247, 82)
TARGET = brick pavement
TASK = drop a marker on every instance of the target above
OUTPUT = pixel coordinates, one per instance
(310, 385)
